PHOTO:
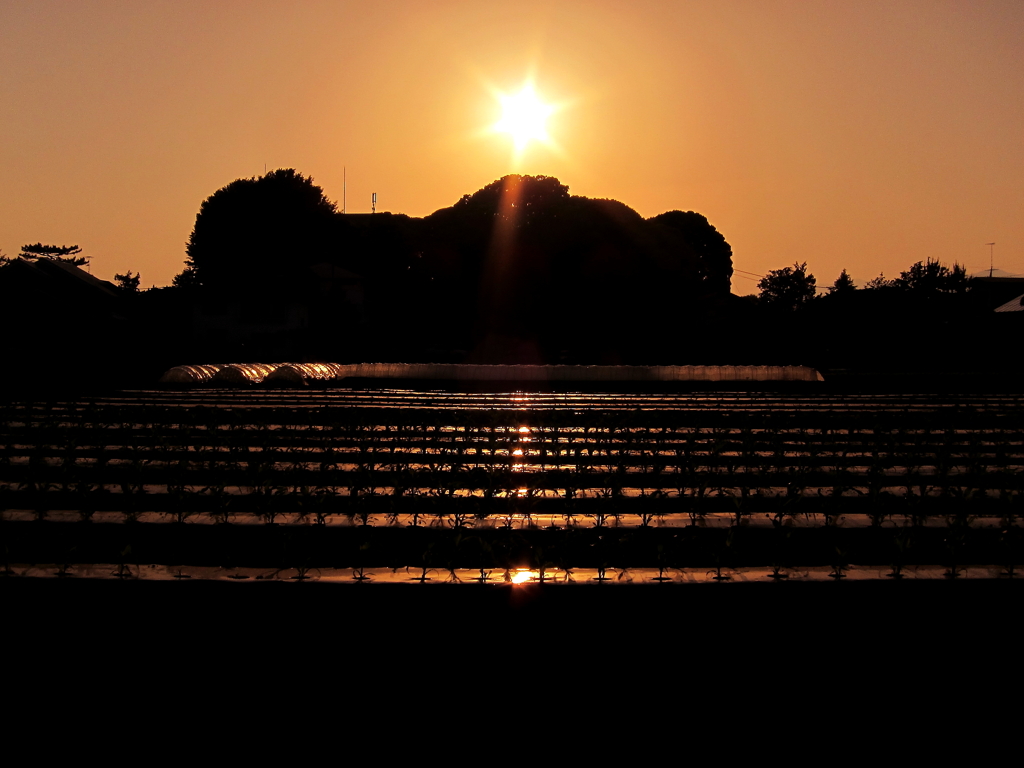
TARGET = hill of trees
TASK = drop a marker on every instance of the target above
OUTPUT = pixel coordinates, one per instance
(520, 270)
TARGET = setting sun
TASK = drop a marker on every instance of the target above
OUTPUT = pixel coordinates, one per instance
(524, 117)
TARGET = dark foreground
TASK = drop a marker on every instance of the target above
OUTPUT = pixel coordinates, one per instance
(672, 619)
(592, 655)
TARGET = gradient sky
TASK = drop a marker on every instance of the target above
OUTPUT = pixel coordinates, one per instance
(858, 134)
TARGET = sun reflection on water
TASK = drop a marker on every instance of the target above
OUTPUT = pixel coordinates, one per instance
(524, 576)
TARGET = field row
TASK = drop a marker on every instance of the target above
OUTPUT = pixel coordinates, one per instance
(424, 437)
(374, 414)
(517, 457)
(445, 483)
(446, 479)
(809, 399)
(501, 576)
(428, 548)
(544, 516)
(785, 507)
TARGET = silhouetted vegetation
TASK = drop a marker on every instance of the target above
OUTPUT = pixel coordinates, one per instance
(128, 282)
(64, 323)
(520, 271)
(259, 232)
(452, 487)
(523, 270)
(843, 285)
(787, 288)
(929, 277)
(69, 254)
(714, 254)
(687, 484)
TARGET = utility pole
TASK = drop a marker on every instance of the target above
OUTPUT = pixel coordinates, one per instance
(344, 187)
(990, 249)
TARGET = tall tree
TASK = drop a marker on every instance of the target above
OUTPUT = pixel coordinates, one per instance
(259, 231)
(714, 254)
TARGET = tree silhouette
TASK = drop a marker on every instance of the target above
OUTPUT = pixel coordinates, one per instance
(787, 288)
(523, 201)
(878, 283)
(843, 286)
(259, 231)
(714, 254)
(128, 282)
(523, 258)
(67, 254)
(186, 279)
(520, 262)
(933, 277)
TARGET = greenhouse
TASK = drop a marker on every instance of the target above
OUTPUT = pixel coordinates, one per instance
(326, 374)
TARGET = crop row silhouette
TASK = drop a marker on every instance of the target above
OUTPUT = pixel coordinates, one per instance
(780, 487)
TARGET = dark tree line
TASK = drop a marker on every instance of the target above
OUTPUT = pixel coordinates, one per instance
(792, 287)
(523, 271)
(520, 269)
(930, 317)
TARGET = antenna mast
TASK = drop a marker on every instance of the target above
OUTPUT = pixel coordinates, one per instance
(990, 248)
(344, 187)
(373, 204)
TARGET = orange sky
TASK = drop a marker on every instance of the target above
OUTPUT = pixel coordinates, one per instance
(865, 135)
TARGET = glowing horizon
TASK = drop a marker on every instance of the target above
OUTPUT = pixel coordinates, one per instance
(859, 136)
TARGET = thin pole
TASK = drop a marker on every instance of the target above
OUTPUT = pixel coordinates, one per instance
(990, 262)
(344, 187)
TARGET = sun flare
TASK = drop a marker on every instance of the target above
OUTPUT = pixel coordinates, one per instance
(522, 576)
(524, 117)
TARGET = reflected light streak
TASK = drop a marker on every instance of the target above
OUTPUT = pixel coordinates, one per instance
(524, 576)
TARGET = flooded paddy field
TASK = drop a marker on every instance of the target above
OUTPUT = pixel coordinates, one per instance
(234, 526)
(375, 485)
